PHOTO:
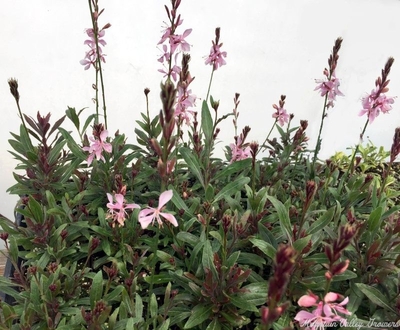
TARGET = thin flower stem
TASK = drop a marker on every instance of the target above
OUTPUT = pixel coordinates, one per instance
(98, 70)
(153, 267)
(102, 90)
(318, 145)
(351, 165)
(209, 85)
(23, 121)
(266, 139)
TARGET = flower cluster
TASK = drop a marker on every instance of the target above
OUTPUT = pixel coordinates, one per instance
(117, 211)
(216, 58)
(149, 215)
(185, 100)
(281, 115)
(239, 149)
(93, 53)
(95, 41)
(173, 43)
(377, 101)
(329, 86)
(326, 313)
(98, 144)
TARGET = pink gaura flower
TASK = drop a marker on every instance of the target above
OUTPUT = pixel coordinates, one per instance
(281, 116)
(374, 104)
(92, 41)
(330, 87)
(331, 307)
(178, 42)
(117, 210)
(185, 101)
(238, 151)
(97, 147)
(149, 215)
(168, 32)
(92, 54)
(174, 72)
(314, 320)
(216, 57)
(326, 311)
(308, 300)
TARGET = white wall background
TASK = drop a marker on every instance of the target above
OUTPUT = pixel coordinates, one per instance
(274, 47)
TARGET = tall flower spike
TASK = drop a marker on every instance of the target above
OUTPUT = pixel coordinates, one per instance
(281, 114)
(149, 215)
(377, 101)
(239, 150)
(395, 150)
(330, 85)
(216, 58)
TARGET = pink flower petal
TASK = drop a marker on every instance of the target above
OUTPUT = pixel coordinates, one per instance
(331, 297)
(164, 198)
(146, 221)
(170, 218)
(303, 316)
(307, 301)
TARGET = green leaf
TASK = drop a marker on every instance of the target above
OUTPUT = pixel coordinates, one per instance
(301, 243)
(178, 201)
(71, 114)
(374, 219)
(231, 188)
(192, 163)
(206, 121)
(165, 325)
(72, 145)
(209, 193)
(200, 313)
(214, 325)
(36, 210)
(256, 293)
(25, 140)
(138, 306)
(208, 258)
(153, 305)
(187, 238)
(13, 248)
(251, 259)
(375, 296)
(88, 121)
(284, 219)
(242, 303)
(231, 261)
(265, 247)
(55, 151)
(96, 290)
(233, 168)
(323, 221)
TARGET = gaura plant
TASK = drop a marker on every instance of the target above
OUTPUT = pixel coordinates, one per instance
(162, 234)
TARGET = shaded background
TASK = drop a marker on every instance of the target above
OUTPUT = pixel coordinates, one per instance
(274, 47)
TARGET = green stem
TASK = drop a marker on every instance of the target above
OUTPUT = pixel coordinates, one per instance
(209, 84)
(266, 139)
(318, 145)
(152, 269)
(327, 286)
(98, 70)
(351, 165)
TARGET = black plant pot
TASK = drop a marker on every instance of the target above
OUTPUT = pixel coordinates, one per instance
(9, 267)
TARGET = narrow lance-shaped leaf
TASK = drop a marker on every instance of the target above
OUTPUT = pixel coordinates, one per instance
(284, 219)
